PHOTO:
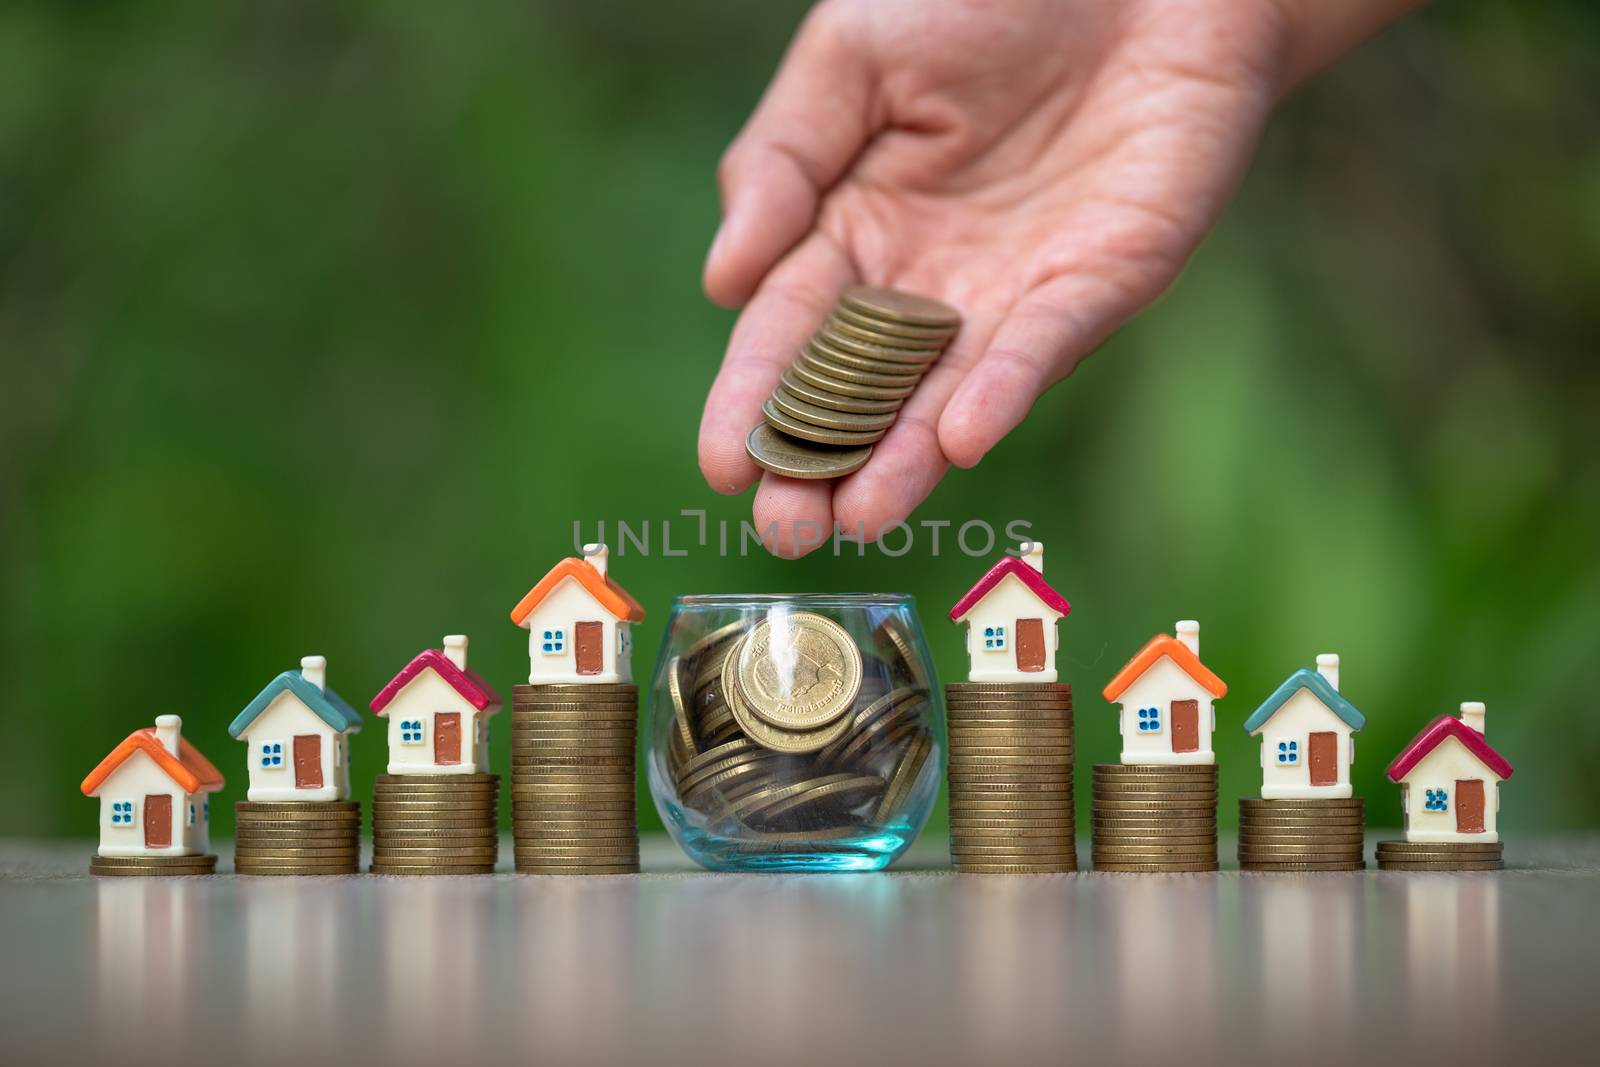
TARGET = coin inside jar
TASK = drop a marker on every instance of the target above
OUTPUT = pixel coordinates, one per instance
(799, 670)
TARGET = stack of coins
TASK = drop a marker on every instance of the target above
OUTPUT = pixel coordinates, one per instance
(1301, 835)
(846, 386)
(1153, 818)
(777, 763)
(435, 823)
(160, 866)
(572, 780)
(1441, 855)
(1011, 778)
(297, 837)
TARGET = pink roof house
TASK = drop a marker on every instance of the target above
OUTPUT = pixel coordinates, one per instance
(438, 713)
(1010, 616)
(1449, 780)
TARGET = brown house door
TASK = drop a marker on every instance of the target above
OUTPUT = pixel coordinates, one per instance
(1185, 726)
(447, 737)
(1469, 805)
(1324, 755)
(158, 820)
(1030, 644)
(589, 643)
(308, 761)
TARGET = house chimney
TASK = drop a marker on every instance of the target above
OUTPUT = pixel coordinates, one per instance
(168, 727)
(314, 669)
(455, 650)
(597, 554)
(1188, 632)
(1328, 667)
(1032, 553)
(1472, 713)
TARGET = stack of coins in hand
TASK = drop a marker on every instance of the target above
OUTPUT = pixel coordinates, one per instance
(1441, 855)
(435, 823)
(786, 737)
(847, 384)
(572, 780)
(150, 866)
(1301, 835)
(297, 837)
(1011, 798)
(1151, 818)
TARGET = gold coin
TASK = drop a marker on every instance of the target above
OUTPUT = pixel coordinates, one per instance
(101, 871)
(830, 337)
(797, 670)
(842, 366)
(844, 313)
(801, 389)
(437, 779)
(307, 808)
(1068, 865)
(829, 418)
(1257, 806)
(836, 380)
(874, 334)
(1447, 847)
(188, 860)
(1155, 868)
(1017, 688)
(880, 717)
(1289, 868)
(348, 852)
(899, 306)
(906, 773)
(816, 434)
(789, 742)
(844, 791)
(1290, 825)
(832, 352)
(792, 458)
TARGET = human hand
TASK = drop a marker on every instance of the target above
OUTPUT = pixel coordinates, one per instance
(1045, 166)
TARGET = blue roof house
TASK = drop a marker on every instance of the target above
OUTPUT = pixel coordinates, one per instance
(1307, 730)
(297, 730)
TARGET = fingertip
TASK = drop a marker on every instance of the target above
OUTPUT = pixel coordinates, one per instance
(725, 285)
(960, 437)
(726, 466)
(793, 517)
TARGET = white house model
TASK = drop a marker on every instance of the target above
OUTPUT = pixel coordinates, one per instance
(297, 730)
(153, 791)
(1165, 700)
(1010, 616)
(1307, 732)
(438, 714)
(577, 620)
(1449, 780)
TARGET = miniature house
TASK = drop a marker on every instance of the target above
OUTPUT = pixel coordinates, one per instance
(1165, 694)
(438, 714)
(1010, 616)
(153, 792)
(577, 620)
(298, 732)
(1449, 780)
(1306, 728)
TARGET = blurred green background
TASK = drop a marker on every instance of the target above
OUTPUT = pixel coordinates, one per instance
(322, 323)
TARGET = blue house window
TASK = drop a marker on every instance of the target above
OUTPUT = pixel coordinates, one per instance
(1149, 720)
(272, 754)
(122, 813)
(994, 637)
(205, 811)
(624, 643)
(411, 731)
(1288, 752)
(192, 814)
(553, 642)
(1436, 799)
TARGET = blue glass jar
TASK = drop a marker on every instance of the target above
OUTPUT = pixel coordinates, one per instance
(794, 732)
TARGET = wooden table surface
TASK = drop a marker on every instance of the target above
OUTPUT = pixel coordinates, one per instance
(915, 965)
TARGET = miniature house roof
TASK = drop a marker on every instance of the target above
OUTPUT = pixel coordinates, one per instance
(1175, 650)
(1010, 565)
(192, 772)
(328, 706)
(1306, 678)
(1434, 733)
(467, 682)
(611, 596)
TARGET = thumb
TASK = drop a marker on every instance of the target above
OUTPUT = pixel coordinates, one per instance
(806, 132)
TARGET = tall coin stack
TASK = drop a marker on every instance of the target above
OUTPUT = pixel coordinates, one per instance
(572, 778)
(1153, 818)
(1301, 835)
(1010, 770)
(435, 823)
(297, 837)
(846, 385)
(1441, 855)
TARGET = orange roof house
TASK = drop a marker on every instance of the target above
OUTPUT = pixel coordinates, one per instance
(578, 622)
(1165, 695)
(188, 768)
(152, 790)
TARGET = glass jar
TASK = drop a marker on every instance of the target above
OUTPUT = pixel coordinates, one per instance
(795, 732)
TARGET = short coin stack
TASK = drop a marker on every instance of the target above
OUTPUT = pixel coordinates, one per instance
(1301, 835)
(788, 764)
(1011, 798)
(572, 780)
(435, 823)
(150, 866)
(1441, 855)
(297, 837)
(1154, 818)
(846, 386)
